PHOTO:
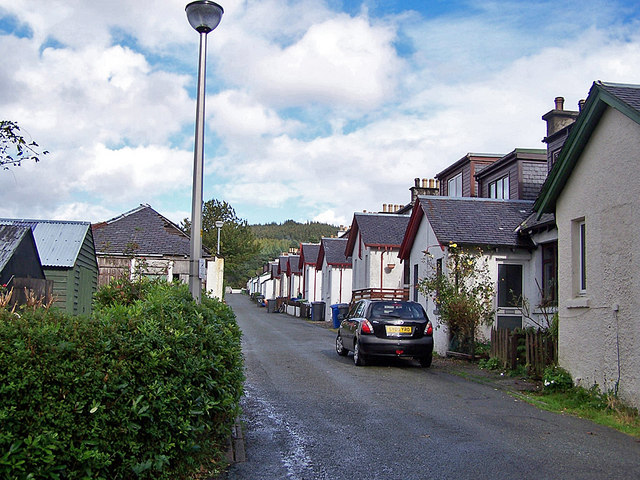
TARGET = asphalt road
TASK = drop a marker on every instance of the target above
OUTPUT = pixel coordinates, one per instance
(311, 414)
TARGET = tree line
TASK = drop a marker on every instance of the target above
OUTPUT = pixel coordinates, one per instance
(247, 248)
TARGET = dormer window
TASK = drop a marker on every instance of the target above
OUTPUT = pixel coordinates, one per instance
(500, 188)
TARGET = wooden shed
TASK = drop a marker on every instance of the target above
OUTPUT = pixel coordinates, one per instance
(68, 257)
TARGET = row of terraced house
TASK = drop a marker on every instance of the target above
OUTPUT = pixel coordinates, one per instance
(558, 226)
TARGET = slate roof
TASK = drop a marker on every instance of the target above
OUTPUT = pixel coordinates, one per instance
(273, 268)
(309, 253)
(141, 231)
(283, 261)
(377, 229)
(294, 265)
(532, 223)
(624, 98)
(333, 249)
(10, 238)
(58, 242)
(477, 221)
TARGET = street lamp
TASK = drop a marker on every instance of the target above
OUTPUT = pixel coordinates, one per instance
(203, 16)
(219, 224)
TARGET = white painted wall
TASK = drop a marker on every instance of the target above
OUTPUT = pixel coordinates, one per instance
(603, 189)
(312, 283)
(426, 240)
(366, 270)
(215, 277)
(336, 286)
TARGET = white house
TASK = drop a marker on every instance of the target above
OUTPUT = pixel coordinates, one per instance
(311, 276)
(373, 245)
(336, 273)
(488, 224)
(593, 191)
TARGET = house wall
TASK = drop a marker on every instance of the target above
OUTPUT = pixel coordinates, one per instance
(366, 270)
(312, 283)
(532, 176)
(605, 320)
(336, 286)
(426, 240)
(215, 277)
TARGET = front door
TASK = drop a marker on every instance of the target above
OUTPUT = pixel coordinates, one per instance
(509, 296)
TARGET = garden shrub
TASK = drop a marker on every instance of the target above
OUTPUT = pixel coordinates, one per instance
(556, 379)
(146, 388)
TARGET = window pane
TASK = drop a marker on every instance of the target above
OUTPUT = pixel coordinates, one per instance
(454, 186)
(583, 258)
(509, 284)
(505, 188)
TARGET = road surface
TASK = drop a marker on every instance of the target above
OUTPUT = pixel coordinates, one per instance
(311, 414)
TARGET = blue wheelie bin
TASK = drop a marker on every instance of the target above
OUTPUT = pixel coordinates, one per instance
(338, 312)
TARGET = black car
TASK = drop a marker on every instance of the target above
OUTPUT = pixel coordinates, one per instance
(386, 329)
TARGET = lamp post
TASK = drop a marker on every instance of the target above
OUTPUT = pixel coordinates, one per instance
(203, 16)
(219, 224)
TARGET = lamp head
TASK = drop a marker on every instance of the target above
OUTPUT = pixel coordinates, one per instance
(219, 223)
(204, 15)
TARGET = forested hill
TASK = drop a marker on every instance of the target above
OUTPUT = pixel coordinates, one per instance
(310, 232)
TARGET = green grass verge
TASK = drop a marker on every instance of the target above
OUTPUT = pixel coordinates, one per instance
(603, 409)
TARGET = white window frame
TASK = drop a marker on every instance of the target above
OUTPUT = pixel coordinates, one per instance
(500, 188)
(582, 260)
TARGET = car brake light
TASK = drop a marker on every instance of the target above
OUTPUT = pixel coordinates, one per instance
(429, 330)
(366, 327)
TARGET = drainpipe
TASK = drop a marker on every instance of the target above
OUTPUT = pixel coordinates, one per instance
(340, 294)
(382, 252)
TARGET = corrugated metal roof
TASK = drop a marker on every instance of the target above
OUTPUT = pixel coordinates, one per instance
(10, 238)
(58, 242)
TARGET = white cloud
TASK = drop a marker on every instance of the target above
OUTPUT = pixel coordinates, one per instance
(343, 62)
(235, 114)
(309, 110)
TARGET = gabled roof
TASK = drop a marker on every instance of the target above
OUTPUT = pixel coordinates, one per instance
(141, 231)
(11, 237)
(332, 249)
(469, 221)
(273, 268)
(58, 242)
(293, 265)
(377, 230)
(308, 254)
(283, 261)
(624, 98)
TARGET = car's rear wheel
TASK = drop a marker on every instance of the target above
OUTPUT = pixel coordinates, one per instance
(358, 358)
(340, 347)
(425, 361)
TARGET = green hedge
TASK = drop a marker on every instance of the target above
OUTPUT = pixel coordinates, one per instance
(147, 387)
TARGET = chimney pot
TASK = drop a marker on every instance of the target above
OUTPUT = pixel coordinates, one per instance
(559, 103)
(581, 104)
(416, 182)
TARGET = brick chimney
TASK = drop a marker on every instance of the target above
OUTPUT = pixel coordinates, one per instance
(558, 120)
(424, 187)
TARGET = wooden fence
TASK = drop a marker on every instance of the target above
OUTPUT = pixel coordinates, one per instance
(534, 349)
(30, 289)
(381, 294)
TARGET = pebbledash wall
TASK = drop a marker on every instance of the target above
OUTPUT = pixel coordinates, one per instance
(599, 329)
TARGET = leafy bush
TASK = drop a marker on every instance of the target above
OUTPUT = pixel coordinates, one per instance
(493, 363)
(556, 379)
(147, 388)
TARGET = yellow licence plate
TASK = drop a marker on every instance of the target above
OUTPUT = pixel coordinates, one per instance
(396, 330)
